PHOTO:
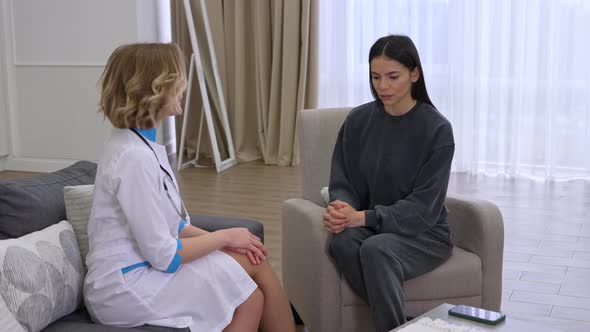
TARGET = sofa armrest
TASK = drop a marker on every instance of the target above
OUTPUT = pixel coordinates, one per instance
(478, 227)
(310, 278)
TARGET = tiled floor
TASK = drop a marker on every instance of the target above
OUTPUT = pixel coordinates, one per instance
(547, 230)
(547, 246)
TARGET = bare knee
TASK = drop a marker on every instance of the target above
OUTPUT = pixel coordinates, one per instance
(245, 263)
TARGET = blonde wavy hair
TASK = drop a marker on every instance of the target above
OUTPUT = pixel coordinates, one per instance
(141, 83)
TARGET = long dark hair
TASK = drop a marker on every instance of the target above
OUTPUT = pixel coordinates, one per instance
(401, 49)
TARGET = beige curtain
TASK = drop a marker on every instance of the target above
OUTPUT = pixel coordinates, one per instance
(267, 68)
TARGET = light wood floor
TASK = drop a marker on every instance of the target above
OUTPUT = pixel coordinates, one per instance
(547, 246)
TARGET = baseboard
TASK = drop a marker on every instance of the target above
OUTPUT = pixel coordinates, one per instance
(34, 164)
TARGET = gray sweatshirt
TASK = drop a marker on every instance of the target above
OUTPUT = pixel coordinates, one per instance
(395, 168)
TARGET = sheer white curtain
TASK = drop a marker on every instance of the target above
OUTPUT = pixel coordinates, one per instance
(513, 77)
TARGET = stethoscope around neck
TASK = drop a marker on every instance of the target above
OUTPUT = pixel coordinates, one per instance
(182, 210)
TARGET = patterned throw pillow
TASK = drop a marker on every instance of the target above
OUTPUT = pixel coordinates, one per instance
(40, 278)
(78, 200)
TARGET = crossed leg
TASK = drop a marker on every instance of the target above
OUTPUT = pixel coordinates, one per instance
(247, 316)
(276, 312)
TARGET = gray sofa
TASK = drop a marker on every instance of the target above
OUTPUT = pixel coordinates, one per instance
(324, 300)
(32, 204)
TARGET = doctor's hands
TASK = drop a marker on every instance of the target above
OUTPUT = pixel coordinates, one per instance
(240, 240)
(252, 257)
(340, 215)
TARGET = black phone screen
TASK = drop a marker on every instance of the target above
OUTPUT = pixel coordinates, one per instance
(477, 314)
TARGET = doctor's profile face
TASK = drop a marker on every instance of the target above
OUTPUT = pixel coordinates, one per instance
(174, 105)
(142, 84)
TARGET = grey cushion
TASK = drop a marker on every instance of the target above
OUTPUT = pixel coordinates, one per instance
(214, 223)
(31, 204)
(80, 321)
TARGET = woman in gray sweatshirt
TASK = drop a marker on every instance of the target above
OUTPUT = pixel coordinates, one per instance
(388, 182)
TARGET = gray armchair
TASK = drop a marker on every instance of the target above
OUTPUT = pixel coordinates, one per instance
(324, 300)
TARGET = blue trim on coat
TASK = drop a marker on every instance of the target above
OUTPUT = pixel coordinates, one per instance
(173, 267)
(175, 264)
(135, 266)
(181, 225)
(149, 133)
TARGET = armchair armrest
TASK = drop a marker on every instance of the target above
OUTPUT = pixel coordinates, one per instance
(478, 227)
(310, 278)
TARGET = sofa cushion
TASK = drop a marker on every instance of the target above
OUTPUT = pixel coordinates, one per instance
(80, 321)
(78, 200)
(32, 204)
(459, 276)
(40, 278)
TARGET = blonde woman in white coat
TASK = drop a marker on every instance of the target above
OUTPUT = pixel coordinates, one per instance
(147, 264)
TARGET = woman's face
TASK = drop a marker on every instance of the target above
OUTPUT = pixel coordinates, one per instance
(174, 106)
(392, 81)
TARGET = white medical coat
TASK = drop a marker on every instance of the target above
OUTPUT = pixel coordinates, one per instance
(132, 222)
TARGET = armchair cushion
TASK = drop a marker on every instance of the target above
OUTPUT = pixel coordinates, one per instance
(460, 276)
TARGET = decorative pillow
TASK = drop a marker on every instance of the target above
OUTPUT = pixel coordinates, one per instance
(78, 200)
(40, 278)
(325, 196)
(32, 204)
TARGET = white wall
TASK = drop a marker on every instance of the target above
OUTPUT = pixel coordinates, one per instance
(56, 51)
(4, 133)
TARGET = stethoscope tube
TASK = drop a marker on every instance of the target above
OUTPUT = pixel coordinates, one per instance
(186, 216)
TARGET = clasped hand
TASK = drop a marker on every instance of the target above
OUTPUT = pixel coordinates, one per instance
(340, 215)
(240, 240)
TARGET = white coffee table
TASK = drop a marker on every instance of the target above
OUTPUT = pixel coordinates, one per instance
(509, 325)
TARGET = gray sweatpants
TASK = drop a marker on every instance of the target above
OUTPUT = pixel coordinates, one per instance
(376, 265)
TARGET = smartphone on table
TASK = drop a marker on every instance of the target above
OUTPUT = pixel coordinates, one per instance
(477, 314)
